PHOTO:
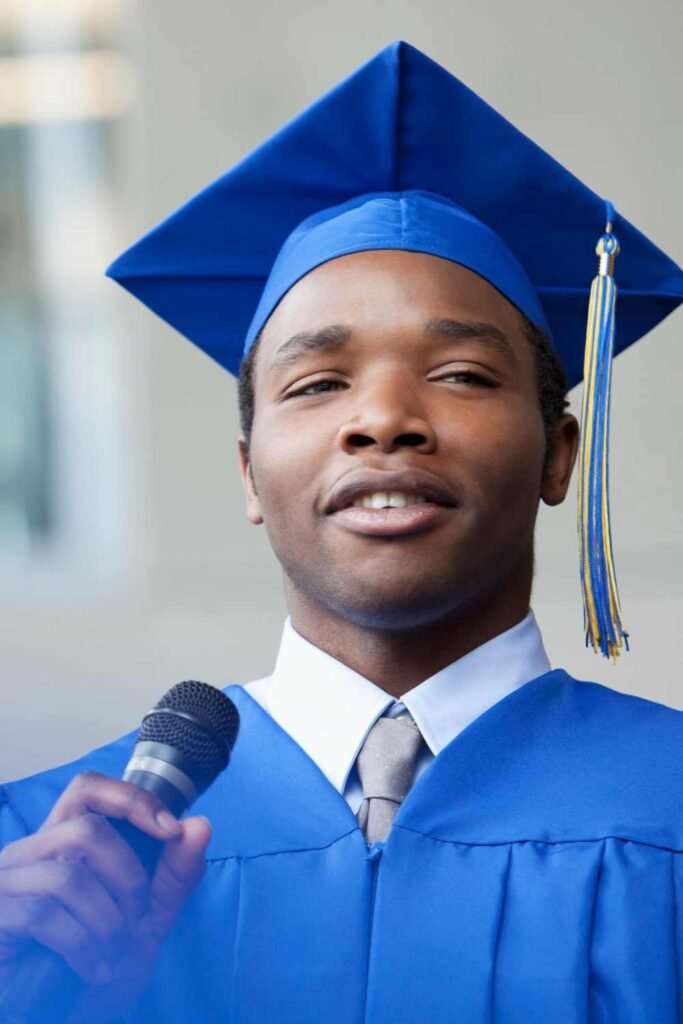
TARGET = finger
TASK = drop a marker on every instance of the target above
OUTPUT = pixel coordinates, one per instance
(78, 891)
(93, 841)
(178, 872)
(90, 792)
(46, 922)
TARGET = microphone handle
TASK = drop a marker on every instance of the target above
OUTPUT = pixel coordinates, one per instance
(43, 989)
(43, 980)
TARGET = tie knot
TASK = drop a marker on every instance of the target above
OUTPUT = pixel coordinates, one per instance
(386, 762)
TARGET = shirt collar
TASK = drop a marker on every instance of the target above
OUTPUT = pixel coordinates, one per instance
(328, 709)
(450, 700)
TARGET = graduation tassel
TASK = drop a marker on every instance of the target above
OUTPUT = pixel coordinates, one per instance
(602, 616)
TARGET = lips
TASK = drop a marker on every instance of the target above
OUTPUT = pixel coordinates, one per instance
(361, 483)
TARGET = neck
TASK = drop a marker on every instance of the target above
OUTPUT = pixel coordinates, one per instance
(397, 660)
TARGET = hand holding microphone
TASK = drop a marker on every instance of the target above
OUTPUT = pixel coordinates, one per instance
(86, 902)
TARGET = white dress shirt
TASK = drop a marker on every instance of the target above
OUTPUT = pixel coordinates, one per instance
(328, 709)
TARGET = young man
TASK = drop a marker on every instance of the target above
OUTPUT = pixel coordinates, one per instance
(421, 821)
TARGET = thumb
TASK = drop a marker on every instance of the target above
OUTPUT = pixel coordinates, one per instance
(180, 869)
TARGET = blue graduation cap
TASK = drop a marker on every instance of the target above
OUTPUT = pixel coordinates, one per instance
(402, 155)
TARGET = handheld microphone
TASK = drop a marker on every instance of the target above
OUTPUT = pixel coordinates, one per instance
(184, 743)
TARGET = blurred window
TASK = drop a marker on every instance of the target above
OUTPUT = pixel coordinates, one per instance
(64, 86)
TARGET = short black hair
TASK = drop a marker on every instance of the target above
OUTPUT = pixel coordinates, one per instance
(550, 377)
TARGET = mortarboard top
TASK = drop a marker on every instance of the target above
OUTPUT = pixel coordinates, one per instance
(400, 122)
(402, 155)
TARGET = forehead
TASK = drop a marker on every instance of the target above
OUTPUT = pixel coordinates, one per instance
(386, 289)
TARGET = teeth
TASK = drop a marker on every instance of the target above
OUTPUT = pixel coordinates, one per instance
(381, 499)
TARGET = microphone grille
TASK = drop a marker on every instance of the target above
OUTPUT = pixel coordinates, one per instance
(197, 719)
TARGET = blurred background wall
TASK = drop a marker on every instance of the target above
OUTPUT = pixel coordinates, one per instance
(127, 563)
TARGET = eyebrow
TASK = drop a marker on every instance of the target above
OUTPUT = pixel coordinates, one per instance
(328, 339)
(473, 330)
(335, 336)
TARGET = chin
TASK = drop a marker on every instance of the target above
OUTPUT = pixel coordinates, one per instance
(403, 609)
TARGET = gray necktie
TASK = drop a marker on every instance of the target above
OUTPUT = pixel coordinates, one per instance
(386, 766)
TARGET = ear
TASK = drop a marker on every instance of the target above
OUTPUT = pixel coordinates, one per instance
(560, 461)
(253, 506)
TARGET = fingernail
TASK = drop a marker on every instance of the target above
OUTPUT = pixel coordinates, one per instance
(169, 824)
(103, 973)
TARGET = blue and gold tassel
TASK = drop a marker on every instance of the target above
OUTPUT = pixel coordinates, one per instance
(602, 616)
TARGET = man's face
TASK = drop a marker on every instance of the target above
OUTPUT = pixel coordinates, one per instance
(397, 373)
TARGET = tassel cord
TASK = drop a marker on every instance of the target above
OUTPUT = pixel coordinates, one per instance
(603, 623)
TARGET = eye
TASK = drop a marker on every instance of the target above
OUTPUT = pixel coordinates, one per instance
(469, 377)
(318, 387)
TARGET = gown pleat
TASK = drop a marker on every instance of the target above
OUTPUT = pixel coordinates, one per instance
(437, 921)
(636, 903)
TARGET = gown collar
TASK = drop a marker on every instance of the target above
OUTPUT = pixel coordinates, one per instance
(556, 760)
(273, 798)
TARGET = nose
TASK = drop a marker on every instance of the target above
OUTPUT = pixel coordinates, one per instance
(389, 416)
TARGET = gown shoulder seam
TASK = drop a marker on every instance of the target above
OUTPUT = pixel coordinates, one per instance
(544, 842)
(276, 853)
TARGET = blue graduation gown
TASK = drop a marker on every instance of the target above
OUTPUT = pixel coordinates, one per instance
(533, 875)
